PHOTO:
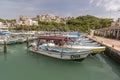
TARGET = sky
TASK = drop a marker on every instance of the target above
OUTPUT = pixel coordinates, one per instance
(12, 9)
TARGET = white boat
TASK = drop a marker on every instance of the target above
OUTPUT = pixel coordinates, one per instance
(7, 38)
(22, 36)
(80, 42)
(93, 49)
(58, 52)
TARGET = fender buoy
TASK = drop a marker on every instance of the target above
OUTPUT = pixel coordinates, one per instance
(36, 49)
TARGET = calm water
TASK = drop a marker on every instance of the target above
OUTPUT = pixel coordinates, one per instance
(18, 64)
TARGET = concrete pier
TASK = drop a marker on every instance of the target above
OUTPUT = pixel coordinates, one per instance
(112, 46)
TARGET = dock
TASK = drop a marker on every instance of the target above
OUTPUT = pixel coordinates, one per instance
(112, 46)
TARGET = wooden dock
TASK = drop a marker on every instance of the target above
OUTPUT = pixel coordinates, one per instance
(112, 46)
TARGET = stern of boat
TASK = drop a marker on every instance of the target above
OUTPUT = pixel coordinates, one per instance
(97, 51)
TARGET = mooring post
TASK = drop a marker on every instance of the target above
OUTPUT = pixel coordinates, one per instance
(27, 42)
(5, 46)
(113, 45)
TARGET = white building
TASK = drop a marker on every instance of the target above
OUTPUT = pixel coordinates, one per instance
(25, 20)
(35, 23)
(3, 26)
(116, 23)
(51, 18)
(30, 22)
(18, 22)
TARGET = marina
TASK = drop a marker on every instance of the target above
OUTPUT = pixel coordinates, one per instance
(60, 40)
(20, 64)
(18, 59)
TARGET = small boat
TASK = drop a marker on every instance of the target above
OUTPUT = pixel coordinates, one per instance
(57, 49)
(78, 41)
(94, 49)
(5, 36)
(4, 32)
(22, 36)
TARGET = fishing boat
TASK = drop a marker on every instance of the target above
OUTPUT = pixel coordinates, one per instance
(94, 49)
(53, 46)
(22, 36)
(5, 36)
(8, 41)
(78, 41)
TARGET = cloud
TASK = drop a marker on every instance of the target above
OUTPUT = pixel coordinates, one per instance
(14, 8)
(113, 5)
(91, 1)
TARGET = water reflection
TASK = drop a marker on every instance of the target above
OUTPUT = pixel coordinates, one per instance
(2, 52)
(111, 63)
(5, 56)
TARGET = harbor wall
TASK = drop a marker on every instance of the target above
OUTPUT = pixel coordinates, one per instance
(110, 50)
(112, 53)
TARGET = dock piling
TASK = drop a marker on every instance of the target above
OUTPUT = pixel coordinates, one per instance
(113, 46)
(27, 42)
(5, 47)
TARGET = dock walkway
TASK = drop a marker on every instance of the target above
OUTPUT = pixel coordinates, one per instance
(115, 44)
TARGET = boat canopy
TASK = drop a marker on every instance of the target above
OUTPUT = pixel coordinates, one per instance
(64, 38)
(4, 32)
(57, 39)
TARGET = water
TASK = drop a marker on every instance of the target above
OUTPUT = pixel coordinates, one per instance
(18, 64)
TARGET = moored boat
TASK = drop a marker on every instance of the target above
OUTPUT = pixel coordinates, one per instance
(57, 50)
(94, 49)
(5, 36)
(78, 41)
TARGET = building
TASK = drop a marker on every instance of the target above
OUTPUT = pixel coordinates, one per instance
(51, 18)
(3, 27)
(111, 32)
(25, 20)
(115, 23)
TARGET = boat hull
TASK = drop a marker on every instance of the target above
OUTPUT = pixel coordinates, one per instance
(94, 50)
(75, 56)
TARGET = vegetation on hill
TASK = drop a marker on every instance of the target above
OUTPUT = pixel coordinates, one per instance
(81, 23)
(2, 20)
(85, 23)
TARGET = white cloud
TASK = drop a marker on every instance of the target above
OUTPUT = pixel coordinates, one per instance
(91, 1)
(113, 5)
(14, 8)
